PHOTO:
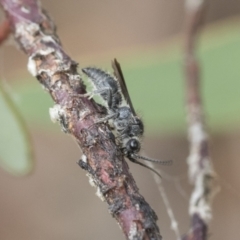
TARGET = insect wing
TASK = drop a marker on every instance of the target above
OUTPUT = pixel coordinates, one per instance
(119, 75)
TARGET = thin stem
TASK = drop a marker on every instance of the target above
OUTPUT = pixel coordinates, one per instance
(5, 30)
(161, 189)
(201, 173)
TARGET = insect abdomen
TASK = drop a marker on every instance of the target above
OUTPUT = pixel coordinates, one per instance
(103, 80)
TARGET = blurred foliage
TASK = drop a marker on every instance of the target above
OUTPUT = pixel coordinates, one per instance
(156, 84)
(15, 146)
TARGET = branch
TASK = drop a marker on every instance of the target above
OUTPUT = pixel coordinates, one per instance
(36, 34)
(5, 30)
(201, 172)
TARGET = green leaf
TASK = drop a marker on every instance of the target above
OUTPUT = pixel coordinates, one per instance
(15, 146)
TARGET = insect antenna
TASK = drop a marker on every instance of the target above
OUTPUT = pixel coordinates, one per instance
(167, 162)
(146, 166)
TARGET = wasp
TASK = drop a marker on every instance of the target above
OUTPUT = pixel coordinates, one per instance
(121, 114)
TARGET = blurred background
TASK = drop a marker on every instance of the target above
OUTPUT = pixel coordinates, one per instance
(56, 200)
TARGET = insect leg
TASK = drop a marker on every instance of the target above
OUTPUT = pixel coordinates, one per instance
(90, 95)
(106, 118)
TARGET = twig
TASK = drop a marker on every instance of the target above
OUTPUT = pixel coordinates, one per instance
(5, 30)
(201, 172)
(36, 34)
(161, 189)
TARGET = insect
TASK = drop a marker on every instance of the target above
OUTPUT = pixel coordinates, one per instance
(121, 114)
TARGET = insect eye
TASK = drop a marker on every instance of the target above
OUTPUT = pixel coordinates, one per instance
(134, 145)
